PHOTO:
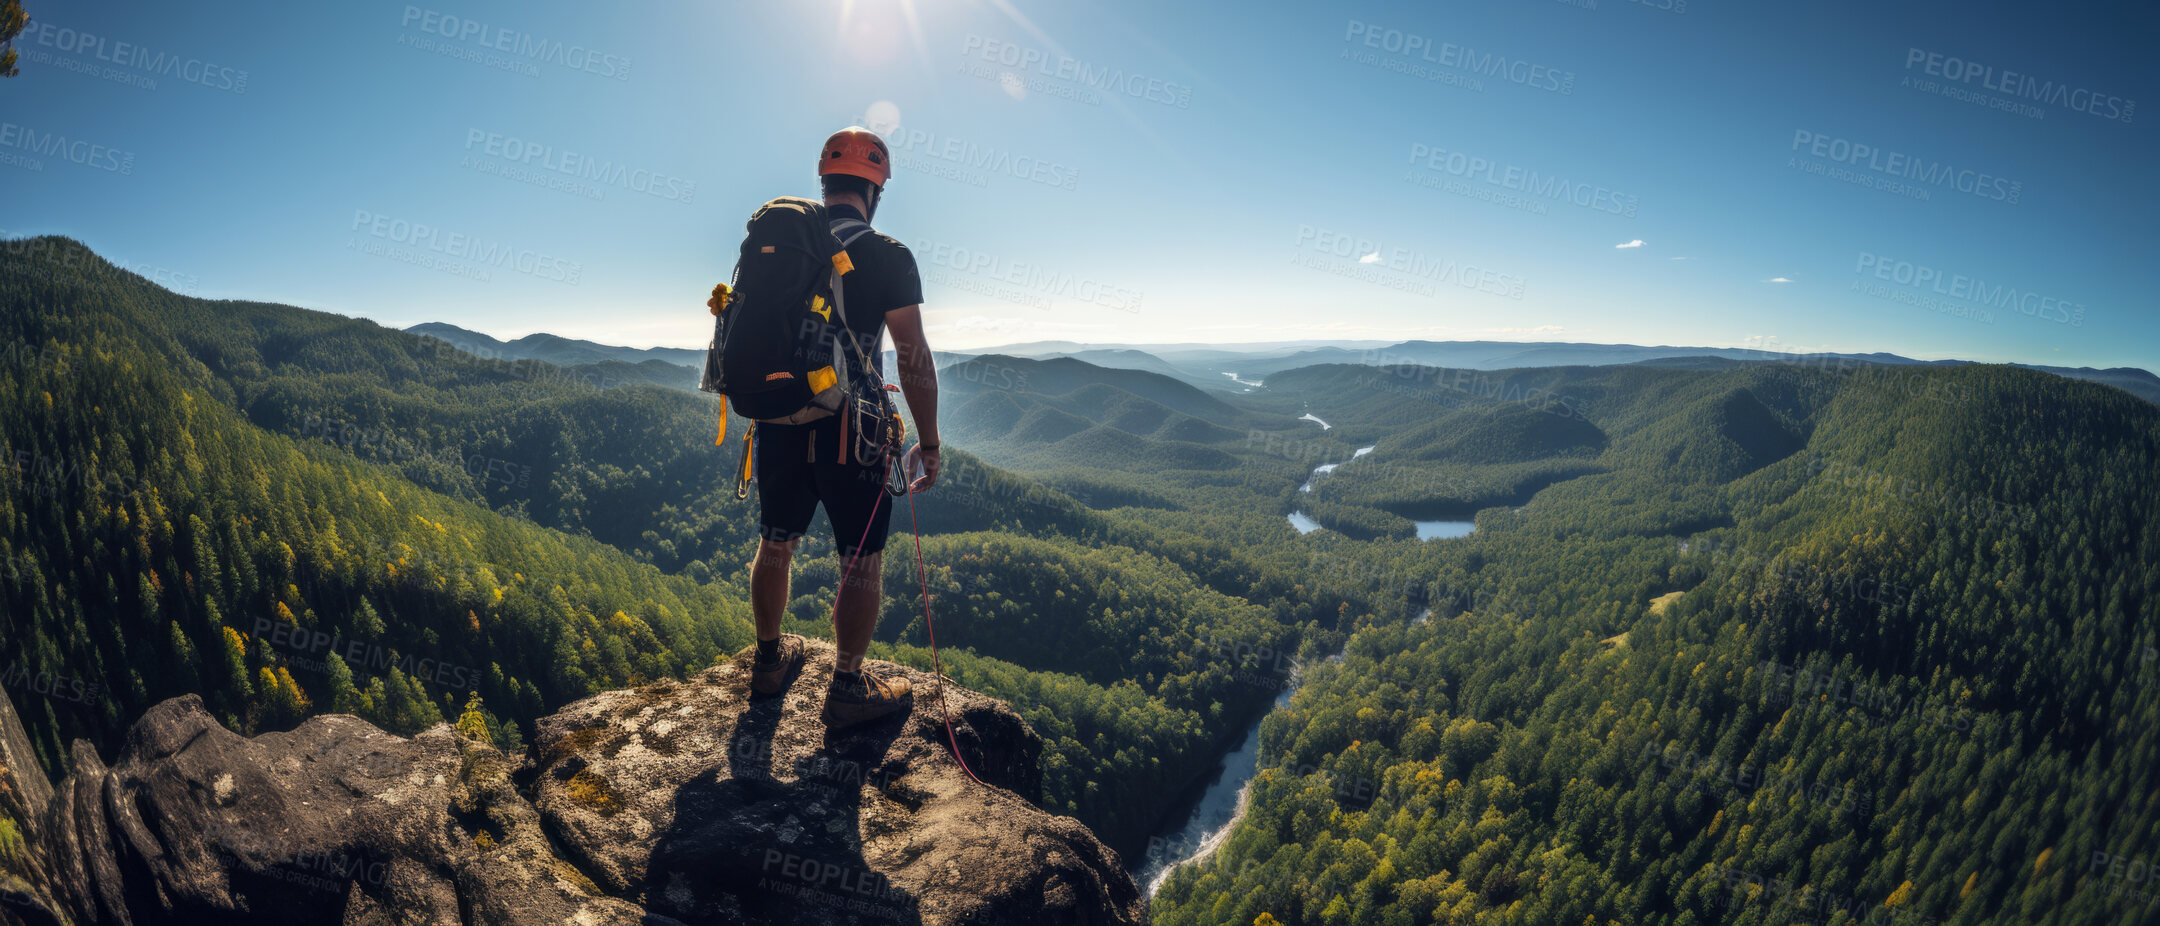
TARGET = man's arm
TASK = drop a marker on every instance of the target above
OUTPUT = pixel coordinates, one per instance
(918, 381)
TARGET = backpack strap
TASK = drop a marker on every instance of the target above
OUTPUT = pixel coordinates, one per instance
(848, 231)
(742, 475)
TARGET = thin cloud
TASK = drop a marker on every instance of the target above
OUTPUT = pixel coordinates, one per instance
(1632, 244)
(1372, 258)
(1777, 280)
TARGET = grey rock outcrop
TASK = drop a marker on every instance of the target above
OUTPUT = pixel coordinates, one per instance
(706, 806)
(680, 802)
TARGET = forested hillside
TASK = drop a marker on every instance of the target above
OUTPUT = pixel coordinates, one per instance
(1810, 647)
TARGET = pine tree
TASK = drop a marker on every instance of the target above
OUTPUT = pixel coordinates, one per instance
(344, 697)
(473, 723)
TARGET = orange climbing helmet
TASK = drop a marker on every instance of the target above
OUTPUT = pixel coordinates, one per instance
(856, 152)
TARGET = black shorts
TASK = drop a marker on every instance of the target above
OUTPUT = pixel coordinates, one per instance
(797, 469)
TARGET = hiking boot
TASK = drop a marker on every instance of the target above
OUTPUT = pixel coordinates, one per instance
(869, 698)
(771, 678)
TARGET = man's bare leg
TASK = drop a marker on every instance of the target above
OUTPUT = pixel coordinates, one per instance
(769, 586)
(856, 613)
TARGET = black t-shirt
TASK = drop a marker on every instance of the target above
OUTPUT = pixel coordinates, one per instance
(884, 279)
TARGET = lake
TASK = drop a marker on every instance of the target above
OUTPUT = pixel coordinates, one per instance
(1444, 530)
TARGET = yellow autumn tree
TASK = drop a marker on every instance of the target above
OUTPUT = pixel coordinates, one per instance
(473, 724)
(12, 21)
(283, 701)
(1900, 896)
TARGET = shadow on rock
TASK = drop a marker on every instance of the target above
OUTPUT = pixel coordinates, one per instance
(777, 848)
(703, 805)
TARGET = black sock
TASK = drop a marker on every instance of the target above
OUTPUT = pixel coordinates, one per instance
(841, 679)
(768, 650)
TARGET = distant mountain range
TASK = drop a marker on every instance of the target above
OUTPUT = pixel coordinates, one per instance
(1208, 367)
(1226, 368)
(561, 351)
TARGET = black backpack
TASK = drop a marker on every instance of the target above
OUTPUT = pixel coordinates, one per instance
(781, 351)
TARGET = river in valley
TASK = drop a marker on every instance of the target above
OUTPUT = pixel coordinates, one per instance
(1442, 529)
(1206, 822)
(1209, 821)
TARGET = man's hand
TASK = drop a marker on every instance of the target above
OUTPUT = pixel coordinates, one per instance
(927, 458)
(918, 381)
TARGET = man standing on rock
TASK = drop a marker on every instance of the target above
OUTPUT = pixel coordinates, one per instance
(799, 466)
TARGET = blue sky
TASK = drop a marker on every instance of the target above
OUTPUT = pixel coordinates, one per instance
(1136, 172)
